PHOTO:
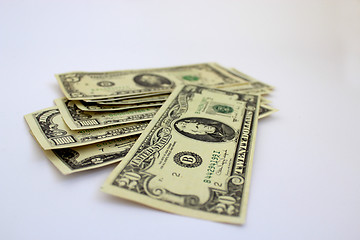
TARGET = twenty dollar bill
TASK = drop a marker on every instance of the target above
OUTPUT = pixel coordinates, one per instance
(195, 157)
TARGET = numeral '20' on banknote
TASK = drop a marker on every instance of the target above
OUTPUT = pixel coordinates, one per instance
(195, 156)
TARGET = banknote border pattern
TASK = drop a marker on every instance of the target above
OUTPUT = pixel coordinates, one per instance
(48, 127)
(134, 177)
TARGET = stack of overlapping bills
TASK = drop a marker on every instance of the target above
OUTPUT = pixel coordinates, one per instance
(197, 124)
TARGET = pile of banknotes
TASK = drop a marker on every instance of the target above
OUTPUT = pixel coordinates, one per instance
(184, 135)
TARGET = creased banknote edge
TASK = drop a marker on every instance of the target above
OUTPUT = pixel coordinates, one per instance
(67, 117)
(122, 94)
(125, 97)
(264, 100)
(66, 170)
(127, 101)
(271, 111)
(121, 107)
(59, 102)
(44, 144)
(62, 88)
(247, 77)
(35, 128)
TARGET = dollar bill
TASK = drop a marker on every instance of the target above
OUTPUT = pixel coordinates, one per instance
(51, 132)
(162, 97)
(248, 78)
(266, 110)
(86, 106)
(72, 160)
(254, 86)
(86, 85)
(195, 157)
(77, 119)
(265, 100)
(130, 97)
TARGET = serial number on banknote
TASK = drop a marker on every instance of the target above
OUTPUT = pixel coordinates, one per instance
(211, 167)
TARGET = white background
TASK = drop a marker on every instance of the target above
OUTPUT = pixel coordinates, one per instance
(306, 172)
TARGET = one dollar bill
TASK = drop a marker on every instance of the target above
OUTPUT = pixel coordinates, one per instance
(254, 87)
(146, 99)
(266, 110)
(78, 119)
(87, 85)
(94, 107)
(71, 160)
(51, 132)
(195, 157)
(129, 97)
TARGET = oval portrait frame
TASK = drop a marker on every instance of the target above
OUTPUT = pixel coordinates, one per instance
(161, 81)
(221, 131)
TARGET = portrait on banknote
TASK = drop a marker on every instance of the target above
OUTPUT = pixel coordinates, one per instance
(204, 129)
(152, 80)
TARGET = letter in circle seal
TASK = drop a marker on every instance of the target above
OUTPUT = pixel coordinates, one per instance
(187, 159)
(105, 84)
